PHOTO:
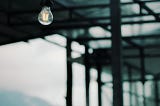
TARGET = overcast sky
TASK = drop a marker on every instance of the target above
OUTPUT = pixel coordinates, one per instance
(36, 68)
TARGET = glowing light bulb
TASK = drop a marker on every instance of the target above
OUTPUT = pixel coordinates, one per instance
(45, 17)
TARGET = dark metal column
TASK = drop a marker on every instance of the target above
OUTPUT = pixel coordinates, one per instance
(116, 52)
(142, 63)
(156, 92)
(69, 74)
(87, 74)
(99, 70)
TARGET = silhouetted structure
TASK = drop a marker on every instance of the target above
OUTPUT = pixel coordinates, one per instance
(129, 45)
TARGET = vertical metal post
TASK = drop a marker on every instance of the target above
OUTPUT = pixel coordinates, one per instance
(142, 62)
(87, 74)
(116, 52)
(156, 92)
(130, 83)
(69, 74)
(99, 70)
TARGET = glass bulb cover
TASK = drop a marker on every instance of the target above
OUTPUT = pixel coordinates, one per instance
(45, 17)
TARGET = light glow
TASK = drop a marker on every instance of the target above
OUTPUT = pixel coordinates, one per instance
(45, 17)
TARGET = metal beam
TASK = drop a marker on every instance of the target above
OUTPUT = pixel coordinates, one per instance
(132, 37)
(72, 9)
(150, 46)
(116, 52)
(150, 11)
(146, 56)
(79, 7)
(156, 89)
(106, 53)
(143, 73)
(87, 25)
(105, 5)
(132, 43)
(87, 74)
(99, 71)
(142, 64)
(81, 18)
(69, 74)
(27, 37)
(66, 24)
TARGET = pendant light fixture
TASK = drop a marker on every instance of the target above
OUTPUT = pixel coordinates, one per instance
(45, 17)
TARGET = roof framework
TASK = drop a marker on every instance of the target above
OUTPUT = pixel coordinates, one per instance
(80, 20)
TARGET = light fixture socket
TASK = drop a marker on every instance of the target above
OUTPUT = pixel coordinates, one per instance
(48, 3)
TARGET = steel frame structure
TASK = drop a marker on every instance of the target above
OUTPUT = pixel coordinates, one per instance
(76, 20)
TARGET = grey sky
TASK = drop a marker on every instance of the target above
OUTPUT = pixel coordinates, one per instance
(38, 69)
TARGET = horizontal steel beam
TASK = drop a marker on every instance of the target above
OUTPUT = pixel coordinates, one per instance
(145, 55)
(132, 37)
(87, 25)
(76, 7)
(26, 38)
(81, 19)
(150, 11)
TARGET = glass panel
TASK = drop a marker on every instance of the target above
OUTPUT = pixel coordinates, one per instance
(78, 85)
(93, 88)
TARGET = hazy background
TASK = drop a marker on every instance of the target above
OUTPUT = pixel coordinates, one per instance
(34, 74)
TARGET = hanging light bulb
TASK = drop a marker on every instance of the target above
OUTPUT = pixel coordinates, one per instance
(45, 17)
